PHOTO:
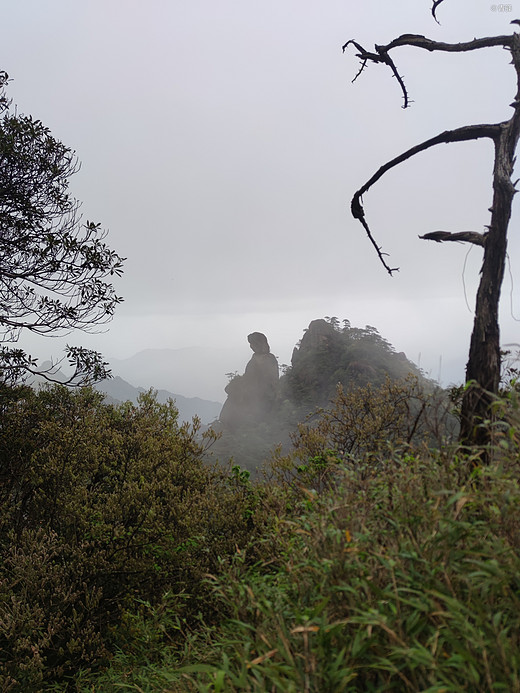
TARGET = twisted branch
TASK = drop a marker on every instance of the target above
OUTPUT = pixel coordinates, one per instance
(436, 3)
(464, 133)
(418, 41)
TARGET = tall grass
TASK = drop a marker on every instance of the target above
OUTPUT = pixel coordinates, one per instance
(397, 569)
(404, 580)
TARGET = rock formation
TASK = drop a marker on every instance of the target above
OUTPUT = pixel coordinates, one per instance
(319, 334)
(251, 397)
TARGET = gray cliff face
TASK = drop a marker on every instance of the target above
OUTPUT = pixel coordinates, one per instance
(251, 397)
(320, 334)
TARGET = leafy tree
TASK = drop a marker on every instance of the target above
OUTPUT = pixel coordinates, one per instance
(483, 367)
(54, 270)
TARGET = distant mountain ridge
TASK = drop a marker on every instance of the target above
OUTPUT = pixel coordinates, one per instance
(194, 371)
(118, 390)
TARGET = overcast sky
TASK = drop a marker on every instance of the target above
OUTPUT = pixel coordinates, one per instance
(221, 142)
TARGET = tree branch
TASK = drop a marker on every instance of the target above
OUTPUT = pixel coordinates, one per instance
(462, 134)
(382, 57)
(461, 236)
(436, 3)
(418, 41)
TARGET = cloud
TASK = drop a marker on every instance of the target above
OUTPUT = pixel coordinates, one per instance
(222, 142)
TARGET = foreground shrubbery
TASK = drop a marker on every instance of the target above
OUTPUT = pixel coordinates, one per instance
(394, 567)
(408, 580)
(101, 508)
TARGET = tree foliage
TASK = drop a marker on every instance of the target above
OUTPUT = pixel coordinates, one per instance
(55, 271)
(347, 355)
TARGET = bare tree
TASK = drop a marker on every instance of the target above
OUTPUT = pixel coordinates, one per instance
(483, 366)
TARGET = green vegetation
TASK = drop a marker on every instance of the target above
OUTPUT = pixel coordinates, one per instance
(56, 272)
(373, 556)
(103, 509)
(329, 355)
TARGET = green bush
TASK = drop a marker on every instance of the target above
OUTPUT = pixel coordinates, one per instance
(408, 580)
(366, 423)
(401, 575)
(396, 571)
(101, 508)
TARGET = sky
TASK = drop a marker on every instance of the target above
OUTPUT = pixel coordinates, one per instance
(221, 142)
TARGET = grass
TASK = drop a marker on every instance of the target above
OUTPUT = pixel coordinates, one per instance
(404, 580)
(393, 565)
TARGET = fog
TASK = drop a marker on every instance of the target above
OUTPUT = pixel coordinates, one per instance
(221, 143)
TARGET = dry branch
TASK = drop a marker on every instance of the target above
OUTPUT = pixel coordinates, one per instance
(418, 41)
(436, 4)
(483, 367)
(461, 236)
(462, 134)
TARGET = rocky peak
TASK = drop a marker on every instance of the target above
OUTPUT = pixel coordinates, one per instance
(251, 397)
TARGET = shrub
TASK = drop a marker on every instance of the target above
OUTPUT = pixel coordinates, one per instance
(101, 507)
(407, 580)
(366, 423)
(399, 573)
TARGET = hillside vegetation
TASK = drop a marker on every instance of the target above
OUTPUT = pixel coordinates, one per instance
(374, 555)
(331, 353)
(329, 356)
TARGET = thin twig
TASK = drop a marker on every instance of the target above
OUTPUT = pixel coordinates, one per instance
(436, 3)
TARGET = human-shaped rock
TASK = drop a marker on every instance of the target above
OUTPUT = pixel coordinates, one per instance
(251, 397)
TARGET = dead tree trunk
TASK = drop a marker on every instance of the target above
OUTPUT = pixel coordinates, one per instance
(483, 367)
